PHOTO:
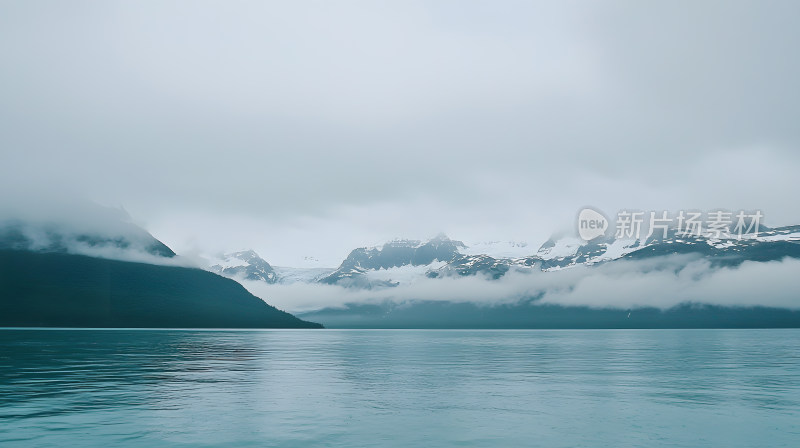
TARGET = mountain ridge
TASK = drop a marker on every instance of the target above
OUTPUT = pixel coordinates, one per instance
(370, 267)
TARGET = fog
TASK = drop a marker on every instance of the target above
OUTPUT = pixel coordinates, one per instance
(661, 282)
(62, 223)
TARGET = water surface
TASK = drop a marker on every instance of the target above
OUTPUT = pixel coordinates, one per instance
(396, 388)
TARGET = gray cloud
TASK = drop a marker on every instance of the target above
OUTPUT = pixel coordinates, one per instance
(238, 123)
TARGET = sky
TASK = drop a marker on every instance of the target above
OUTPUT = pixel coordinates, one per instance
(308, 128)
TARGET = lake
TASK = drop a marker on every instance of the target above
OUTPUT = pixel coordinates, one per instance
(400, 388)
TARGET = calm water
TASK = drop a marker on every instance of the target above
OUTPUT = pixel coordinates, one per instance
(715, 388)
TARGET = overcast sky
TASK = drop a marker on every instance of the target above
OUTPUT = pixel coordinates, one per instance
(309, 128)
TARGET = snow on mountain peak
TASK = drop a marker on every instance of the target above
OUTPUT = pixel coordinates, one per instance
(560, 248)
(245, 264)
(500, 249)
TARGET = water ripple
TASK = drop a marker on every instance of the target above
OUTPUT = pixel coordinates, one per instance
(400, 388)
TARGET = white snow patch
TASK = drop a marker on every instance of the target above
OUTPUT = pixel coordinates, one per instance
(617, 249)
(288, 276)
(564, 247)
(785, 237)
(500, 249)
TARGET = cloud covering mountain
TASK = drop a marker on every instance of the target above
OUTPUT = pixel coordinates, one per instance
(660, 282)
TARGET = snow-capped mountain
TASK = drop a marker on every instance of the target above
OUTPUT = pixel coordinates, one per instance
(244, 265)
(248, 265)
(394, 254)
(769, 244)
(406, 261)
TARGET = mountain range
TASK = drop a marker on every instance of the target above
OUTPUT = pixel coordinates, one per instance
(407, 262)
(113, 273)
(399, 261)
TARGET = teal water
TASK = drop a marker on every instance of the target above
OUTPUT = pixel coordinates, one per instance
(687, 388)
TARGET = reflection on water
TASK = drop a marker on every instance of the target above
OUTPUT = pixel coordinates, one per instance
(400, 388)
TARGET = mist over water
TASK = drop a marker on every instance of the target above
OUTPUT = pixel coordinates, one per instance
(400, 388)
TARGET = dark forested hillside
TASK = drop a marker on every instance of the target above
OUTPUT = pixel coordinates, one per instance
(64, 290)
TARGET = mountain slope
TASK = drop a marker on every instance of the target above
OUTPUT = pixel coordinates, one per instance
(64, 290)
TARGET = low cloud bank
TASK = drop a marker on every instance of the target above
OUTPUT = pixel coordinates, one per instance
(83, 228)
(661, 282)
(135, 255)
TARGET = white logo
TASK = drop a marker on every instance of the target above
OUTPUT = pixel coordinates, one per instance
(591, 224)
